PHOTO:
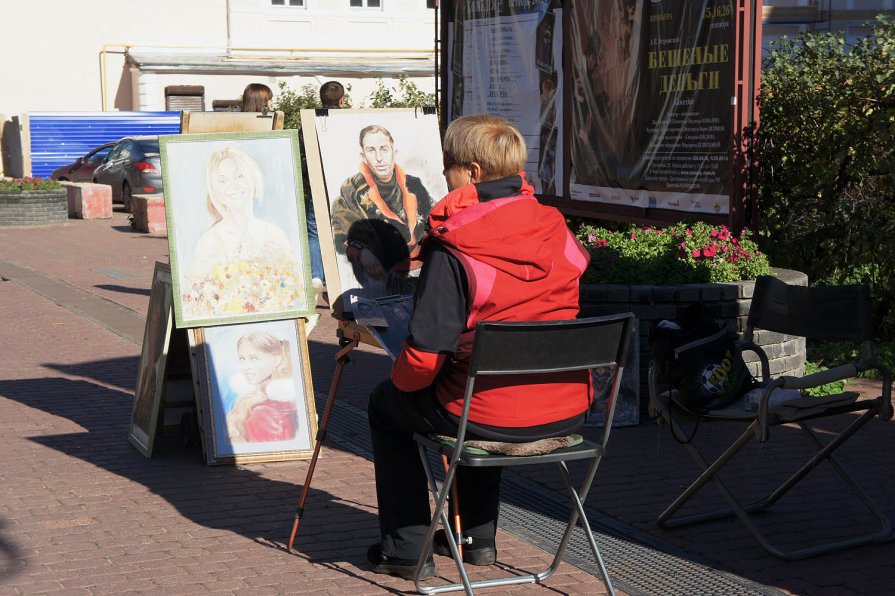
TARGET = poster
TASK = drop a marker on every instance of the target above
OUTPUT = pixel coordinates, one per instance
(505, 57)
(652, 104)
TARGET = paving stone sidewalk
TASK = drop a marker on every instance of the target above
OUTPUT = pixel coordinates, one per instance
(82, 511)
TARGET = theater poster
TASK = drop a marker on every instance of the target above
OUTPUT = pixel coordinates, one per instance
(652, 103)
(505, 56)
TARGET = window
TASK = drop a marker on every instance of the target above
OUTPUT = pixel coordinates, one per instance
(185, 97)
(287, 2)
(365, 3)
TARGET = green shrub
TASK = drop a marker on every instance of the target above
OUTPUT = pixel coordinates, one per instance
(826, 149)
(407, 95)
(680, 253)
(291, 102)
(19, 184)
(826, 389)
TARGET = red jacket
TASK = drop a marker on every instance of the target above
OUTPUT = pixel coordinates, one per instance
(493, 254)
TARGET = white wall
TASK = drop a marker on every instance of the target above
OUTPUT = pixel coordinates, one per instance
(53, 60)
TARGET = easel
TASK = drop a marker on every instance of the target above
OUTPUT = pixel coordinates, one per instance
(350, 336)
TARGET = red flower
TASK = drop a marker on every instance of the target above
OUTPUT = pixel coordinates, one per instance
(709, 251)
(697, 253)
(601, 243)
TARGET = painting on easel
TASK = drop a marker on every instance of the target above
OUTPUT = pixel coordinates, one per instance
(377, 173)
(236, 227)
(256, 391)
(149, 395)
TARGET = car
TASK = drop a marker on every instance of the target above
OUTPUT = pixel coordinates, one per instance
(133, 166)
(82, 169)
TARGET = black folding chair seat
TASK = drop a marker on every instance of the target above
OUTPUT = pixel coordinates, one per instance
(526, 349)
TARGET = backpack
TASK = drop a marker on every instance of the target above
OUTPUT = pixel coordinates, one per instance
(698, 359)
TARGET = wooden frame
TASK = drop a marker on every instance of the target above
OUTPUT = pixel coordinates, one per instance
(211, 122)
(333, 157)
(236, 259)
(151, 376)
(255, 414)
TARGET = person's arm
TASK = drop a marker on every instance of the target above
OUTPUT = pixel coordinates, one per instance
(439, 317)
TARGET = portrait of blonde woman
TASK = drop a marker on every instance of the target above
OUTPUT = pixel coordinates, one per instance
(235, 186)
(236, 228)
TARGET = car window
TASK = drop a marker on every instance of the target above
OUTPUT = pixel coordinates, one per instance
(100, 155)
(127, 149)
(116, 151)
(148, 146)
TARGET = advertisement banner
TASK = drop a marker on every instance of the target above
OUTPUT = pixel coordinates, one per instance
(505, 58)
(652, 103)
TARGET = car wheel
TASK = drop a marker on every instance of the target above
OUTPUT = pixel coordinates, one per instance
(127, 197)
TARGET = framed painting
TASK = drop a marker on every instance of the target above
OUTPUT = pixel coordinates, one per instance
(256, 391)
(237, 234)
(377, 173)
(151, 376)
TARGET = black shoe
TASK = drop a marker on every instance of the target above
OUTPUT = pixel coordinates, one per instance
(482, 555)
(403, 568)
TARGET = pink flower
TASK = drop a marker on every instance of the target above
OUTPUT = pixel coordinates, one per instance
(709, 251)
(601, 243)
(697, 253)
(633, 235)
(591, 238)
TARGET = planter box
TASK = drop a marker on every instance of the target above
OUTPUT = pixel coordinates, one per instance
(727, 301)
(89, 201)
(149, 214)
(33, 208)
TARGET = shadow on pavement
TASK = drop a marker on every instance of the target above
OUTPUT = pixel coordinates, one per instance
(123, 289)
(229, 498)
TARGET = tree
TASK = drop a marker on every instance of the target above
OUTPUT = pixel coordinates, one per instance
(826, 151)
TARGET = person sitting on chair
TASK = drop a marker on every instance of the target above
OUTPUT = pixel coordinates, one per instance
(493, 253)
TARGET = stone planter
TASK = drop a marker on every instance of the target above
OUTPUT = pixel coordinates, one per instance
(149, 214)
(727, 301)
(32, 208)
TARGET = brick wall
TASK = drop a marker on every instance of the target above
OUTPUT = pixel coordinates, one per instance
(33, 208)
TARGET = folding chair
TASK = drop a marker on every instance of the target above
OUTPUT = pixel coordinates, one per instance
(525, 349)
(826, 313)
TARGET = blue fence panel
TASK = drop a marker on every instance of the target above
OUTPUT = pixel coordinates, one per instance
(58, 138)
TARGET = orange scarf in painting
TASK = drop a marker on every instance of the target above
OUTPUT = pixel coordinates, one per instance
(410, 201)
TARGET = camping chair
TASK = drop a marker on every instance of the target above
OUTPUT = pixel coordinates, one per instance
(827, 313)
(524, 349)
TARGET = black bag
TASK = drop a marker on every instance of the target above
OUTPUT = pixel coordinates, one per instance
(698, 359)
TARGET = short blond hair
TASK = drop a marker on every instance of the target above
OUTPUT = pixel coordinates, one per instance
(245, 163)
(490, 141)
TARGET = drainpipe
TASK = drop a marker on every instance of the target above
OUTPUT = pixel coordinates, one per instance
(229, 27)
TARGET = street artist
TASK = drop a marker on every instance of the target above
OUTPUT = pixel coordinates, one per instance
(493, 253)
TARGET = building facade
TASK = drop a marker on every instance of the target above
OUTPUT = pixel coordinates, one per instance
(100, 55)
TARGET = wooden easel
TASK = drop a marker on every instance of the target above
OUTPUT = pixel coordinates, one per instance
(350, 336)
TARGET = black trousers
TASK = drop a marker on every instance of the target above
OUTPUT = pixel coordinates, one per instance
(401, 486)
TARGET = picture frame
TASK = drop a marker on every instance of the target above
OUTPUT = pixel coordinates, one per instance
(152, 372)
(256, 392)
(341, 193)
(209, 122)
(237, 233)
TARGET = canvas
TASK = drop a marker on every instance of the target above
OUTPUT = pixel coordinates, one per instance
(236, 227)
(151, 376)
(377, 173)
(256, 392)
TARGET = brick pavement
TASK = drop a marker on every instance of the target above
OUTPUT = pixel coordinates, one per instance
(82, 511)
